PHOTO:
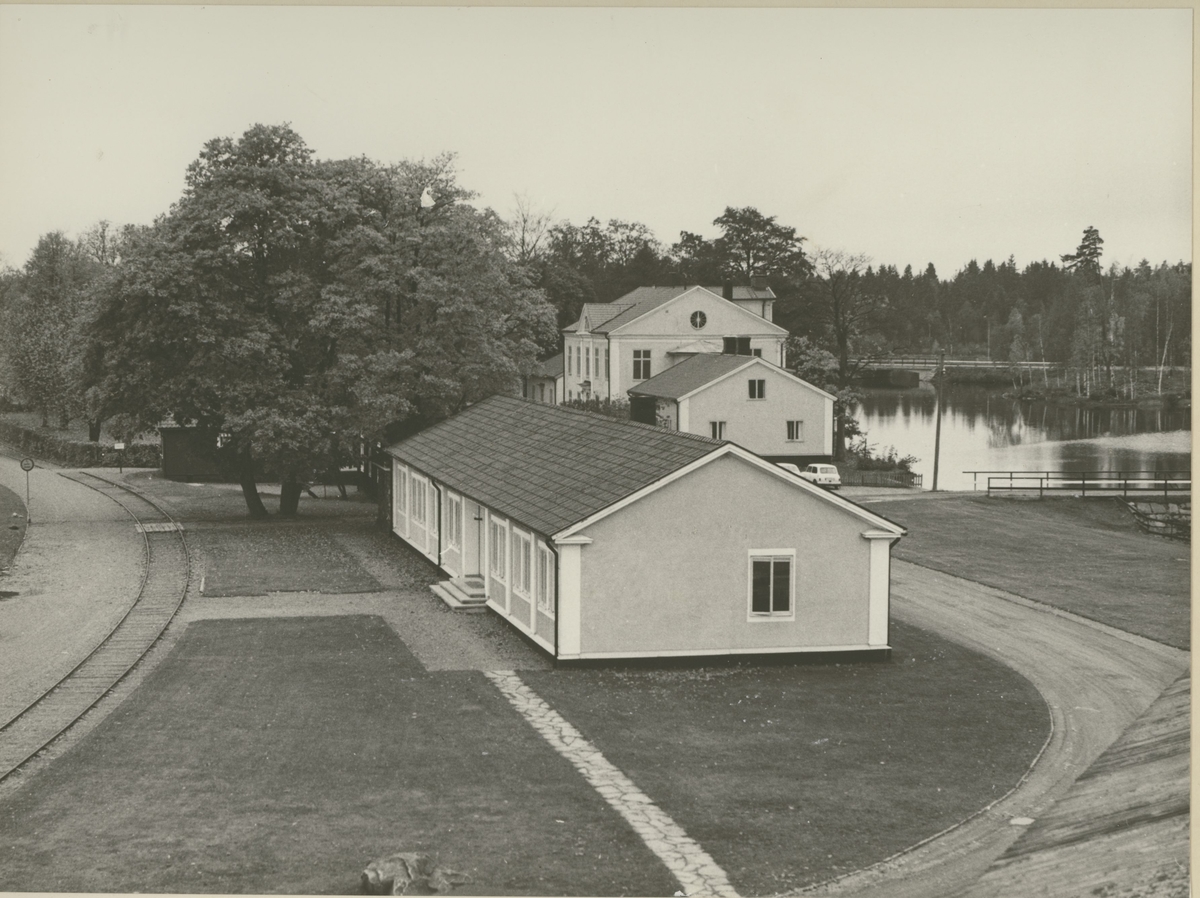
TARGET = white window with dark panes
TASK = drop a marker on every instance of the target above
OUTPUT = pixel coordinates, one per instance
(569, 371)
(758, 388)
(545, 582)
(401, 501)
(607, 375)
(772, 584)
(795, 431)
(454, 522)
(717, 429)
(641, 364)
(498, 550)
(419, 509)
(579, 361)
(522, 558)
(587, 362)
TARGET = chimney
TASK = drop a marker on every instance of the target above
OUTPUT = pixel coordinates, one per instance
(758, 281)
(727, 290)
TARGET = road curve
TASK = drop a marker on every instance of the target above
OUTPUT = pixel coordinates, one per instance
(77, 573)
(1095, 679)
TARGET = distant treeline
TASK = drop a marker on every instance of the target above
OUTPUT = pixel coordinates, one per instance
(1072, 311)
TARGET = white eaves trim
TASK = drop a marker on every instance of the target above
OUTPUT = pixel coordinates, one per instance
(892, 529)
(758, 319)
(751, 360)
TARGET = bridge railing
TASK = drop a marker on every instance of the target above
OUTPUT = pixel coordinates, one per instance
(1096, 483)
(932, 362)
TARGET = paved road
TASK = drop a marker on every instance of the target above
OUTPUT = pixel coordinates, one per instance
(1096, 681)
(76, 574)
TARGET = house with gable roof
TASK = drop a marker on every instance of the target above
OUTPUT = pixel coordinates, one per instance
(601, 539)
(746, 400)
(617, 345)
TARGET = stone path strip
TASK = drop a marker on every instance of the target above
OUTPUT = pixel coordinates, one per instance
(695, 870)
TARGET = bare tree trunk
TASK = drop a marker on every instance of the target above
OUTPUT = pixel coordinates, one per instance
(254, 502)
(289, 496)
(1166, 343)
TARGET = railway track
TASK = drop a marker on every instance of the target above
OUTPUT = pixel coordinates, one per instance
(162, 591)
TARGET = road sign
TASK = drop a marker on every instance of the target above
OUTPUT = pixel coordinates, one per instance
(27, 464)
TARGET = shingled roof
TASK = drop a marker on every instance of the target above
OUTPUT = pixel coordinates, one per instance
(691, 374)
(545, 466)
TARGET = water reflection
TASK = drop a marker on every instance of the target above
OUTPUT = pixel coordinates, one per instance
(983, 430)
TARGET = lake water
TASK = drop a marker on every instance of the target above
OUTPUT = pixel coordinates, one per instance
(983, 431)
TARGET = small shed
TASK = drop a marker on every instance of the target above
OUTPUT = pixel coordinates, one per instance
(744, 399)
(602, 539)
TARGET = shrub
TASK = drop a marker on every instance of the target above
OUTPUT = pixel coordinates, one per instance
(77, 453)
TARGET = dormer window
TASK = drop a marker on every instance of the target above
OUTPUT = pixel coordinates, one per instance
(699, 319)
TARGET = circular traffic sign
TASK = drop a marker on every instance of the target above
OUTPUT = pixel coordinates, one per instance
(27, 464)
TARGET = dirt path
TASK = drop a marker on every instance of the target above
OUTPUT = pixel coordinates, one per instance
(1096, 680)
(76, 574)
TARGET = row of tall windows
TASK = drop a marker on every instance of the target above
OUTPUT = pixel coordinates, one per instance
(586, 359)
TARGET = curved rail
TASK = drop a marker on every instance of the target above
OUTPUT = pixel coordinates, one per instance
(161, 592)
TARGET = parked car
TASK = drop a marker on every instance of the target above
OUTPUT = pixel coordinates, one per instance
(822, 475)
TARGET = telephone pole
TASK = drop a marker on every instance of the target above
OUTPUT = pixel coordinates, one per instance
(938, 376)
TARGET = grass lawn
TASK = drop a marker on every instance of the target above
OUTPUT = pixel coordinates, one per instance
(277, 557)
(284, 755)
(12, 530)
(793, 774)
(281, 755)
(1047, 550)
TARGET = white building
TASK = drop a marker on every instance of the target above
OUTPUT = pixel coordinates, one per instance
(599, 538)
(617, 345)
(748, 401)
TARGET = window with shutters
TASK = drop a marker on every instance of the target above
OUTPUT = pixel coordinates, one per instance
(772, 584)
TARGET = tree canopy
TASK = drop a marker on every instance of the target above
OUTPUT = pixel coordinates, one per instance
(293, 305)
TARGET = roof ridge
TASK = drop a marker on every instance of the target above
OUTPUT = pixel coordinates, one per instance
(609, 419)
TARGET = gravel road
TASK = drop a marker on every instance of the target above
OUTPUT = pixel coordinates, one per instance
(1096, 680)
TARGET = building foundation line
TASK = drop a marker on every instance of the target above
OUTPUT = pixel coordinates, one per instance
(696, 872)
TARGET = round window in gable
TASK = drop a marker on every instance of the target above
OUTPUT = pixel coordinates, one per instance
(699, 319)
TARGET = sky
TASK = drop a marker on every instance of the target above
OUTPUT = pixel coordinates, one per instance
(912, 136)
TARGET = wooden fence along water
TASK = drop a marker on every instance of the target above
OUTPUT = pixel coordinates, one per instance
(1141, 484)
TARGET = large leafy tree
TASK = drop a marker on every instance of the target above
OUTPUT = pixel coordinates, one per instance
(753, 244)
(44, 319)
(290, 303)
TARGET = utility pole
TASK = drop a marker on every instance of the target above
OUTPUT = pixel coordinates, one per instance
(938, 376)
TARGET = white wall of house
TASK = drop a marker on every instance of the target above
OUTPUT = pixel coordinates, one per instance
(585, 368)
(761, 425)
(671, 573)
(518, 566)
(658, 332)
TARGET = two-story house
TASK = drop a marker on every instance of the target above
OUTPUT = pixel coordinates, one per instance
(617, 345)
(748, 401)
